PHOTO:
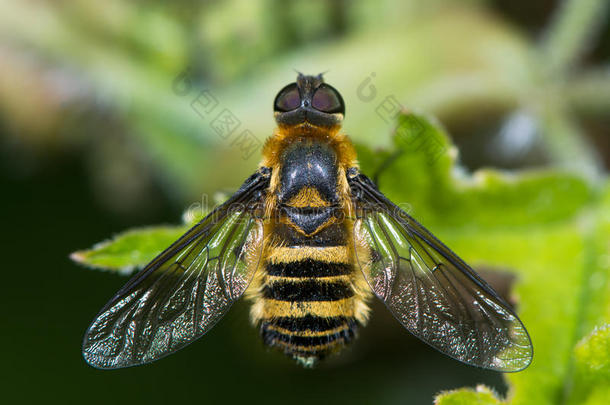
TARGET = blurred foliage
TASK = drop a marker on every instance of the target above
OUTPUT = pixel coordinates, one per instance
(539, 223)
(100, 78)
(121, 84)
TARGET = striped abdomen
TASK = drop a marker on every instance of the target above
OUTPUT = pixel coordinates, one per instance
(307, 293)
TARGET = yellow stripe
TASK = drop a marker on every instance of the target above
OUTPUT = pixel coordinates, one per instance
(331, 254)
(307, 333)
(327, 309)
(287, 221)
(328, 279)
(308, 197)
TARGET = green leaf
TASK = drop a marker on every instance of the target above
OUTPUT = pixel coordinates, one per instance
(130, 249)
(136, 247)
(593, 356)
(481, 396)
(425, 175)
(549, 227)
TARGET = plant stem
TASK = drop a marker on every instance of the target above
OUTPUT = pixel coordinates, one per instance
(572, 29)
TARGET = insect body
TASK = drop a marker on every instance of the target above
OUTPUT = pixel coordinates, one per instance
(309, 298)
(309, 239)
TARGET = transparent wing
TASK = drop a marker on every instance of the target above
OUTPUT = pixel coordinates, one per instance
(430, 290)
(183, 292)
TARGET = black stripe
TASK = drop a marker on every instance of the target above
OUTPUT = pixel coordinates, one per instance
(309, 290)
(308, 268)
(271, 336)
(331, 235)
(312, 323)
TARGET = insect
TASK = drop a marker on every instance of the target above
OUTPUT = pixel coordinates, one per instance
(309, 240)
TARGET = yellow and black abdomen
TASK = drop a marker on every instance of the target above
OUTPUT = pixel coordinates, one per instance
(308, 298)
(308, 295)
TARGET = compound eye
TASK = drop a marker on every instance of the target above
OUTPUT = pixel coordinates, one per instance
(327, 99)
(287, 99)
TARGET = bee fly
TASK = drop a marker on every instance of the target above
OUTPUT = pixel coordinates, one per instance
(308, 239)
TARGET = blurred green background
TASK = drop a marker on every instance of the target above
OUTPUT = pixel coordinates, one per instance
(98, 134)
